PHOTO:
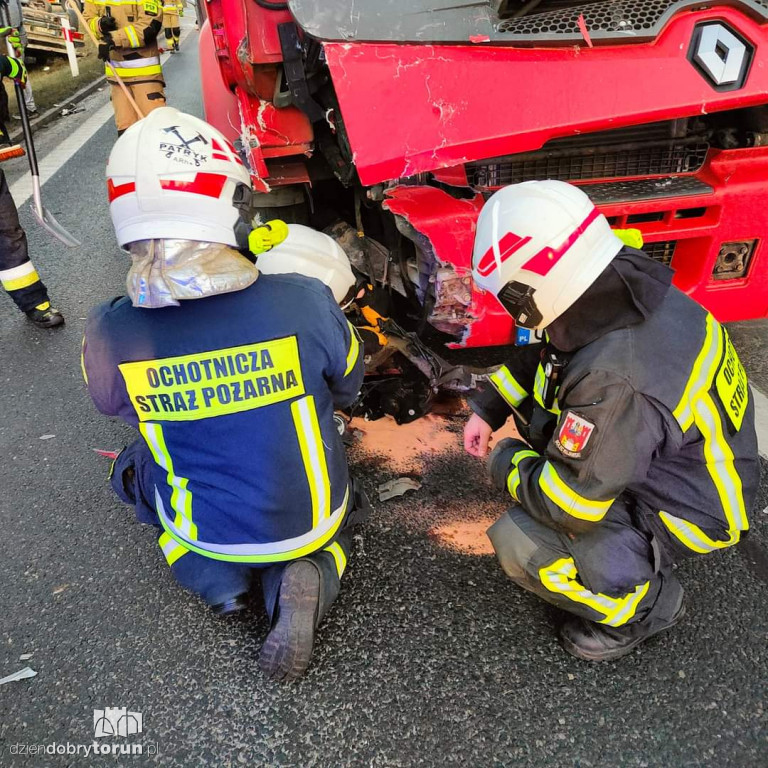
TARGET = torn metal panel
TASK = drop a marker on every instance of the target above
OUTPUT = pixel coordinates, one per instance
(409, 109)
(268, 132)
(448, 225)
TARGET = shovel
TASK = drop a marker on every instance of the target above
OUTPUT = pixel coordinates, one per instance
(44, 216)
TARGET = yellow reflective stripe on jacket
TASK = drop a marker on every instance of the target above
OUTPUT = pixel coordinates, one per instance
(721, 464)
(273, 552)
(560, 577)
(506, 385)
(171, 548)
(702, 374)
(697, 407)
(354, 349)
(338, 555)
(313, 455)
(538, 391)
(513, 479)
(94, 25)
(694, 538)
(568, 500)
(133, 36)
(19, 277)
(124, 71)
(181, 496)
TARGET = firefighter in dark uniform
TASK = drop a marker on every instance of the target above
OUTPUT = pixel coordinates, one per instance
(17, 273)
(641, 446)
(231, 374)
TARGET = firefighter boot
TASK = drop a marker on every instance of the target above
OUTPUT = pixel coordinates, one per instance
(45, 316)
(287, 650)
(599, 642)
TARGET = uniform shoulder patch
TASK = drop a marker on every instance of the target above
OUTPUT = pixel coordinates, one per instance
(151, 8)
(574, 434)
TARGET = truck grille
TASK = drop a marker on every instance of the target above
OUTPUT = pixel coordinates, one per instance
(662, 251)
(628, 20)
(610, 163)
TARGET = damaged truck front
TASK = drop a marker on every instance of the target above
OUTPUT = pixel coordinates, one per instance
(387, 123)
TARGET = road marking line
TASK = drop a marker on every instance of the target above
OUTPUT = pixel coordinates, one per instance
(761, 421)
(52, 163)
(48, 166)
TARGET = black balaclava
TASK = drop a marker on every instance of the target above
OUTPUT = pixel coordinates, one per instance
(626, 293)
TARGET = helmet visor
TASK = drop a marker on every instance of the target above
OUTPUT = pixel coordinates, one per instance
(517, 299)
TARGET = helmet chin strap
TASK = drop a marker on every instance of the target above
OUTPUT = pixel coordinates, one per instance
(241, 200)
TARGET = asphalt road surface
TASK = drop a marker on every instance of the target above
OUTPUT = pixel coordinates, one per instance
(429, 658)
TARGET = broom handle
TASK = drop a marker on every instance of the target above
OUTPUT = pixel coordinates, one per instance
(83, 23)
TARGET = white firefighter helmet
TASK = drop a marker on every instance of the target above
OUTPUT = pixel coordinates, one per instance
(539, 245)
(173, 176)
(308, 252)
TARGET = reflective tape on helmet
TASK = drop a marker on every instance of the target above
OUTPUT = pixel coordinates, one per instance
(115, 191)
(208, 184)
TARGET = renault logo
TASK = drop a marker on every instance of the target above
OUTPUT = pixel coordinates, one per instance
(721, 55)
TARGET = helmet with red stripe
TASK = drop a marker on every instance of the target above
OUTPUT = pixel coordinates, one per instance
(173, 176)
(539, 245)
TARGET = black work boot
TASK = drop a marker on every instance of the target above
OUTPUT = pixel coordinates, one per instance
(599, 642)
(287, 651)
(45, 316)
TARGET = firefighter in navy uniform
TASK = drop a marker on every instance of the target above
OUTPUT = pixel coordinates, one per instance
(17, 273)
(231, 375)
(128, 40)
(641, 447)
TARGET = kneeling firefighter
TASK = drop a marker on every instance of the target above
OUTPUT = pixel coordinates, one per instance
(641, 446)
(231, 375)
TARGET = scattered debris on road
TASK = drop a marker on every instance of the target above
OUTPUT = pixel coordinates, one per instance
(397, 487)
(22, 674)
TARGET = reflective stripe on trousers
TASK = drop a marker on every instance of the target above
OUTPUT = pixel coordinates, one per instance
(561, 577)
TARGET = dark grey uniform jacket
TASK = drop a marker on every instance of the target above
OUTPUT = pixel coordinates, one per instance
(659, 410)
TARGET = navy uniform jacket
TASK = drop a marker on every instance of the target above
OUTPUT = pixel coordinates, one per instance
(234, 395)
(660, 410)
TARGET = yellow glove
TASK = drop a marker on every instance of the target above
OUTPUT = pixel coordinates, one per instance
(267, 236)
(631, 237)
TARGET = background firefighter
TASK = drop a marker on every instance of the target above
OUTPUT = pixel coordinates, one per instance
(231, 376)
(17, 273)
(639, 420)
(172, 11)
(128, 39)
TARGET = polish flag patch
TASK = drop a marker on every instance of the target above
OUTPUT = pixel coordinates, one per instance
(573, 435)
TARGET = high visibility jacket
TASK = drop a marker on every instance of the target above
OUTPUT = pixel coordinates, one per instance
(660, 410)
(135, 57)
(234, 396)
(172, 9)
